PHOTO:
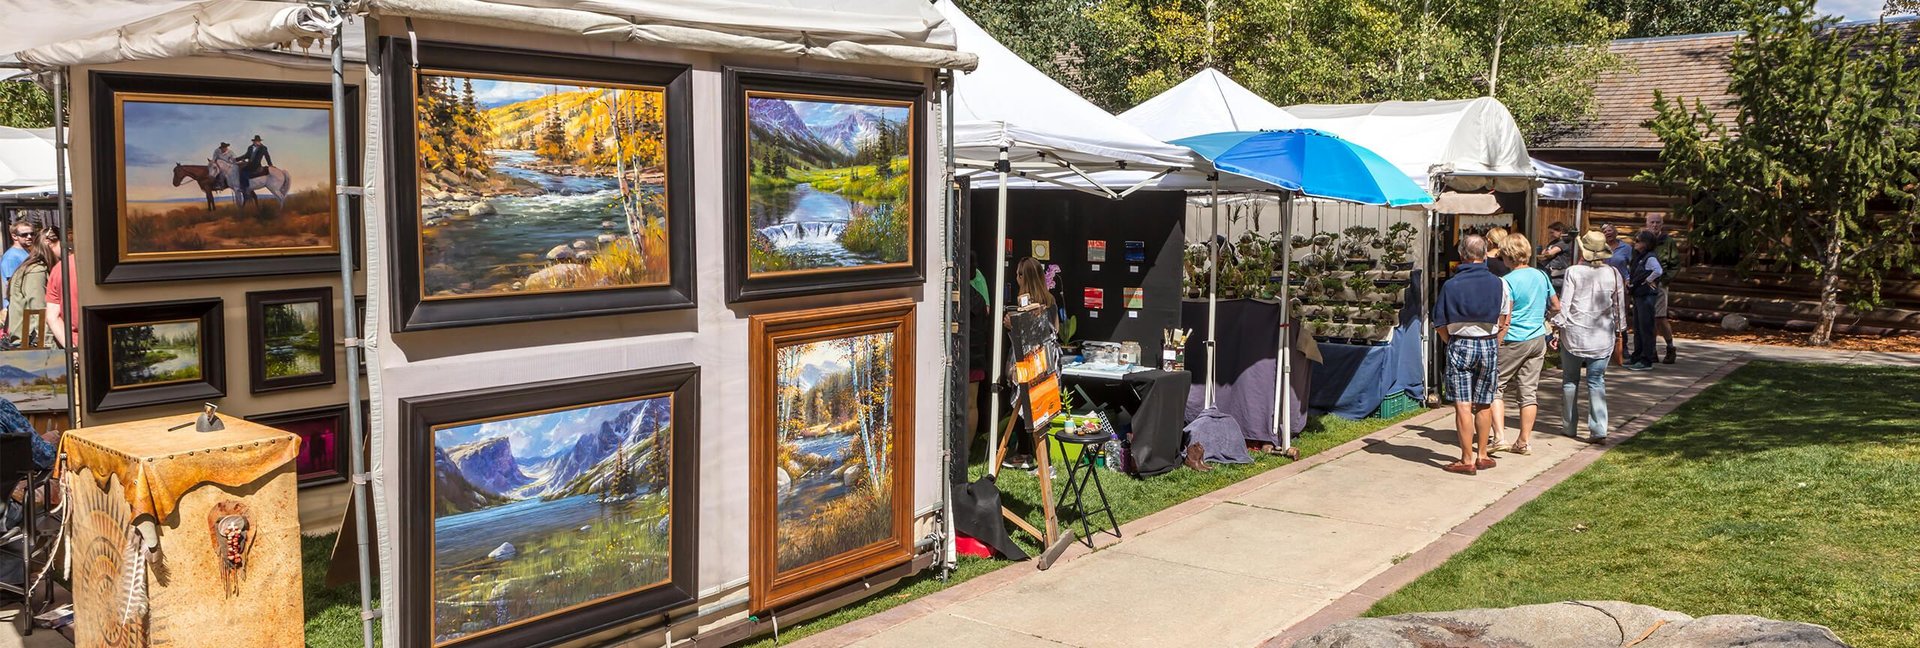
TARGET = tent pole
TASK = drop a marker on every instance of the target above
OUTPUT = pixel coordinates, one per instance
(956, 285)
(999, 310)
(356, 425)
(1213, 281)
(66, 250)
(1283, 406)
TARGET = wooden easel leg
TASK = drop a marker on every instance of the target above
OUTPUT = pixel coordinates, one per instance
(1000, 454)
(1046, 486)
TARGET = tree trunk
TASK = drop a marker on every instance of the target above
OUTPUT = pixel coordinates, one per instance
(1493, 69)
(1829, 289)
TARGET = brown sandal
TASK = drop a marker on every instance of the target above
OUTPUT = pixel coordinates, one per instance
(1462, 468)
(1522, 449)
(1486, 463)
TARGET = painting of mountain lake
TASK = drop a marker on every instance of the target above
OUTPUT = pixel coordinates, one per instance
(157, 353)
(292, 345)
(829, 184)
(538, 513)
(533, 186)
(224, 177)
(34, 380)
(834, 415)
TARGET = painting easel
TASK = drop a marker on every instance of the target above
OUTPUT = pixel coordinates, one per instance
(1036, 378)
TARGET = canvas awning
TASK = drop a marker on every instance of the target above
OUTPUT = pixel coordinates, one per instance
(1571, 186)
(1473, 143)
(881, 32)
(1050, 132)
(1207, 102)
(26, 157)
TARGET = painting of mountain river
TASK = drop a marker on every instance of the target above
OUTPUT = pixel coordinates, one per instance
(535, 186)
(539, 513)
(830, 183)
(834, 416)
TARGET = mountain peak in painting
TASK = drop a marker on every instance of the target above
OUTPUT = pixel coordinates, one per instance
(10, 373)
(489, 464)
(855, 130)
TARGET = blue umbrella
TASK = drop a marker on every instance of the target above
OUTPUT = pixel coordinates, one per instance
(1309, 162)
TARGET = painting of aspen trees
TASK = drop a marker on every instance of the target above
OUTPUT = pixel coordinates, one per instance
(834, 419)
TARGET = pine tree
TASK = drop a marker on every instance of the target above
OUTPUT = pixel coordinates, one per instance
(1819, 165)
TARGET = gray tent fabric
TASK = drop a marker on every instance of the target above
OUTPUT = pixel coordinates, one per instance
(1220, 436)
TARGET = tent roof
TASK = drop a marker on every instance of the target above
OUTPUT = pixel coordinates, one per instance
(26, 157)
(884, 32)
(1207, 102)
(1006, 102)
(1559, 190)
(1473, 140)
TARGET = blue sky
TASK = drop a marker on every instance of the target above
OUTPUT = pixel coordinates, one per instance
(823, 114)
(158, 135)
(1852, 9)
(541, 435)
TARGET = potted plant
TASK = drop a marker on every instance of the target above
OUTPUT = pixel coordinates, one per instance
(1400, 237)
(1360, 285)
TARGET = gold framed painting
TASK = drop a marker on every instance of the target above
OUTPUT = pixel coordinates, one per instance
(153, 353)
(198, 177)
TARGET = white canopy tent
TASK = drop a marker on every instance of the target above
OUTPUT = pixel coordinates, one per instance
(26, 157)
(897, 33)
(1471, 143)
(1569, 186)
(1207, 102)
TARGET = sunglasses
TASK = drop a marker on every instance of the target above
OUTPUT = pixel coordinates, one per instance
(23, 234)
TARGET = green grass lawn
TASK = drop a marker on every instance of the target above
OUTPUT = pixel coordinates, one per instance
(1132, 499)
(1785, 491)
(333, 614)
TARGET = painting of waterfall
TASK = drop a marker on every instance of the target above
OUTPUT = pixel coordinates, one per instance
(533, 185)
(830, 183)
(833, 442)
(540, 512)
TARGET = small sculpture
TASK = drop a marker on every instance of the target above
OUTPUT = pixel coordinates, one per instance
(232, 537)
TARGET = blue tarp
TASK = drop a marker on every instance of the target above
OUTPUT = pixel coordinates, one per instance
(1352, 380)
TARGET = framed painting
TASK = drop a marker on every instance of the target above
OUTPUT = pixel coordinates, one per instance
(153, 353)
(825, 179)
(35, 380)
(200, 177)
(531, 186)
(541, 513)
(831, 453)
(290, 340)
(323, 442)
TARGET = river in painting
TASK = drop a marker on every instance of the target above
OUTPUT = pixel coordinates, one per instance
(834, 478)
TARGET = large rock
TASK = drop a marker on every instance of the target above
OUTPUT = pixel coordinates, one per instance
(1572, 624)
(561, 275)
(560, 253)
(482, 208)
(1735, 322)
(504, 552)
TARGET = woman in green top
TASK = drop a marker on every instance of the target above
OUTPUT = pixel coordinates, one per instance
(27, 288)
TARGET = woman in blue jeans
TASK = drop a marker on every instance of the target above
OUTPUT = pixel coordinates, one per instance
(1592, 312)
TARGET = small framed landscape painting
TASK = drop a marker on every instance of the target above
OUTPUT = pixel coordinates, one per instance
(323, 441)
(290, 339)
(541, 513)
(153, 353)
(824, 184)
(831, 454)
(35, 380)
(199, 177)
(537, 186)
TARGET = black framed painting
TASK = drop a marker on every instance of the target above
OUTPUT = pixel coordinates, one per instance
(323, 441)
(530, 186)
(825, 184)
(537, 514)
(153, 353)
(290, 339)
(200, 177)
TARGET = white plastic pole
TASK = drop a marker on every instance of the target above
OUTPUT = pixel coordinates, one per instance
(1283, 373)
(1213, 282)
(999, 308)
(949, 551)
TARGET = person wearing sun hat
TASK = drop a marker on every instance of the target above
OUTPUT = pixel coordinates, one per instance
(1593, 312)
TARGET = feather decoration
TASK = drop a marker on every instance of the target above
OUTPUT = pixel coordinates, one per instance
(133, 578)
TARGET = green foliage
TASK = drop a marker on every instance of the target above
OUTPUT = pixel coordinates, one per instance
(1784, 491)
(1818, 165)
(1668, 17)
(1537, 56)
(23, 104)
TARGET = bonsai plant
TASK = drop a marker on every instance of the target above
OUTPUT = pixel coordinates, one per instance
(1399, 245)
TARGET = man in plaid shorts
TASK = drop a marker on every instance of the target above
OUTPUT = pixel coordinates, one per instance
(1470, 317)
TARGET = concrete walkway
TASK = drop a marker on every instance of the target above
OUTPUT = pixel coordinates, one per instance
(1297, 548)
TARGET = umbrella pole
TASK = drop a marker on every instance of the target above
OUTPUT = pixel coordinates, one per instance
(1283, 371)
(999, 308)
(1213, 282)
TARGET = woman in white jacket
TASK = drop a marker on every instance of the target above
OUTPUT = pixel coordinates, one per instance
(1592, 312)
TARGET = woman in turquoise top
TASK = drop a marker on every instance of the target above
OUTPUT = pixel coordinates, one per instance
(1524, 349)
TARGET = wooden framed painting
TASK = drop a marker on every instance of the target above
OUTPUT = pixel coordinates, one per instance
(831, 454)
(153, 353)
(35, 380)
(825, 179)
(541, 513)
(200, 177)
(531, 186)
(290, 339)
(323, 442)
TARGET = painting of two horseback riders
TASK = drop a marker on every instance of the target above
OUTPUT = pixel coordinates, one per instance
(224, 176)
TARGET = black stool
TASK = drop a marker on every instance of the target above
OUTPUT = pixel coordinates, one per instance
(1080, 472)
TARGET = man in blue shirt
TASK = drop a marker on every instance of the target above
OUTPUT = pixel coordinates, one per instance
(1643, 289)
(21, 235)
(1470, 318)
(1621, 250)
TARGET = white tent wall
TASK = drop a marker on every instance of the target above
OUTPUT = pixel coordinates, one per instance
(320, 507)
(1261, 213)
(714, 335)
